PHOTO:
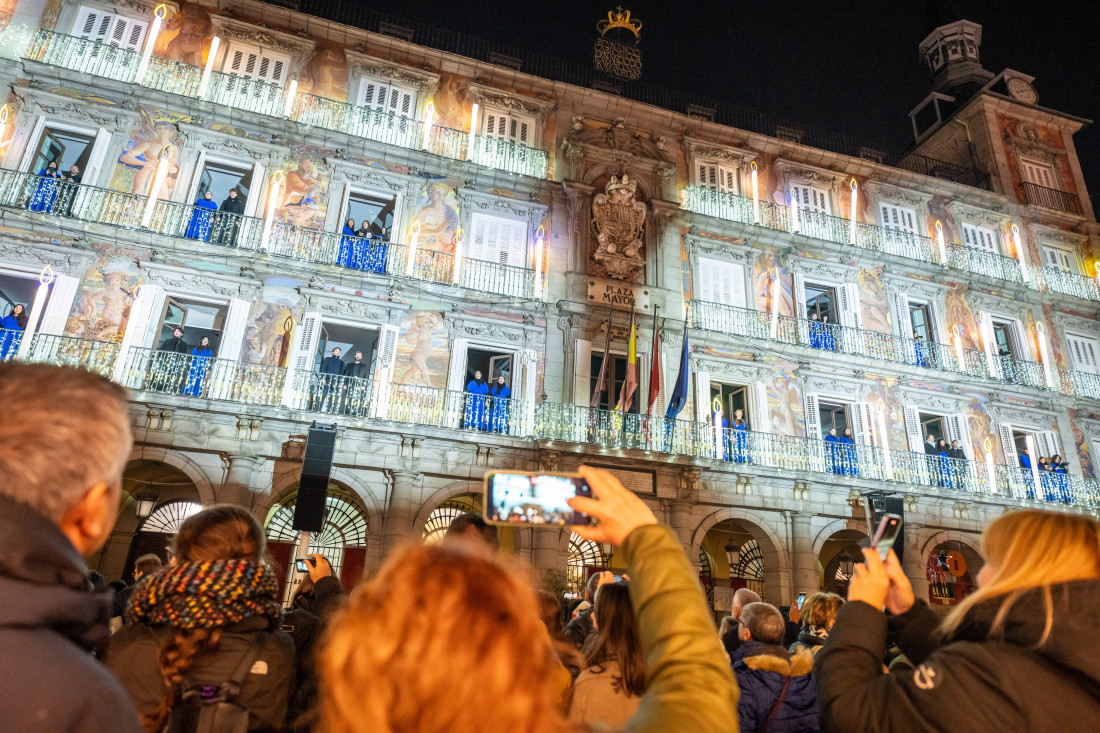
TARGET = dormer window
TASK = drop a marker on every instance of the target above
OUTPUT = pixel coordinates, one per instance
(812, 198)
(508, 126)
(717, 176)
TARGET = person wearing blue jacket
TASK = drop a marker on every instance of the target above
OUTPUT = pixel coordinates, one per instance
(498, 409)
(475, 415)
(11, 331)
(202, 220)
(196, 377)
(833, 452)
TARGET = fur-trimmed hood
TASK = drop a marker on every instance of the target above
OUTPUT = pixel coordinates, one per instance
(776, 659)
(762, 673)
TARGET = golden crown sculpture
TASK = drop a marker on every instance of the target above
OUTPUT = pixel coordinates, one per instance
(619, 18)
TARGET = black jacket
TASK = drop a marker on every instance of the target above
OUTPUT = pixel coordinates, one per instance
(331, 365)
(132, 656)
(578, 628)
(956, 453)
(232, 206)
(177, 345)
(49, 621)
(360, 370)
(971, 683)
(931, 449)
(304, 622)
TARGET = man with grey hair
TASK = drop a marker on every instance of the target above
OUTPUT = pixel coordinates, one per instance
(777, 689)
(64, 442)
(741, 598)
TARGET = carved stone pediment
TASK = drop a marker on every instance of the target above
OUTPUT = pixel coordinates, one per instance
(618, 139)
(617, 221)
(890, 194)
(360, 64)
(490, 331)
(376, 178)
(143, 8)
(509, 101)
(298, 48)
(934, 402)
(965, 214)
(998, 306)
(31, 257)
(344, 306)
(1077, 324)
(234, 147)
(829, 271)
(1058, 237)
(741, 254)
(791, 173)
(1031, 417)
(735, 370)
(925, 290)
(840, 386)
(71, 109)
(695, 149)
(187, 280)
(531, 211)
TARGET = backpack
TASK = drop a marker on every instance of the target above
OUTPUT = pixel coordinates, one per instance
(210, 708)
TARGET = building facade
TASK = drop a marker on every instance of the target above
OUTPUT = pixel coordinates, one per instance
(281, 185)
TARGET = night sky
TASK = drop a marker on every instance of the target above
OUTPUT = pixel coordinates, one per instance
(845, 65)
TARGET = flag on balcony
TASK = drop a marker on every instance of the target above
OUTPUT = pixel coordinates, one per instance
(631, 382)
(655, 366)
(600, 380)
(678, 400)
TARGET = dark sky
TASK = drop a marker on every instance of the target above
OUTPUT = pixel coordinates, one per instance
(845, 65)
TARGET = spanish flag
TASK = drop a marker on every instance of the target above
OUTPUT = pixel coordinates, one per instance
(630, 384)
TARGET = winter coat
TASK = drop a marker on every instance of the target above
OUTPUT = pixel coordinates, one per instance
(969, 683)
(359, 371)
(305, 622)
(332, 365)
(132, 656)
(579, 627)
(595, 701)
(761, 673)
(177, 345)
(807, 640)
(49, 621)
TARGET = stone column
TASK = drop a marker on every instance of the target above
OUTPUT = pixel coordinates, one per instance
(401, 509)
(805, 578)
(549, 550)
(915, 564)
(237, 488)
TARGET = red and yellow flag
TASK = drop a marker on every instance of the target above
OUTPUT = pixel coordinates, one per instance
(630, 384)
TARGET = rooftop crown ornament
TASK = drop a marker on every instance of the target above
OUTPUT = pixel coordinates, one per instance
(616, 56)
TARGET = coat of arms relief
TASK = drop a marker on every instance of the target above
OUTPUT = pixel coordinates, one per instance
(618, 221)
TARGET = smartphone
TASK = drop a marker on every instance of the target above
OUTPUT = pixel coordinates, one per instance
(886, 534)
(520, 497)
(801, 598)
(303, 564)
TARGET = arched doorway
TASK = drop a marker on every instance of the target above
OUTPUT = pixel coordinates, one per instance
(951, 568)
(839, 556)
(585, 557)
(342, 539)
(735, 560)
(441, 517)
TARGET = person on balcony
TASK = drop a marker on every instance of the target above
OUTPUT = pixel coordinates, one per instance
(740, 438)
(374, 246)
(350, 247)
(498, 408)
(828, 338)
(848, 453)
(167, 368)
(70, 179)
(330, 371)
(358, 374)
(833, 461)
(475, 414)
(45, 193)
(196, 377)
(1061, 478)
(11, 331)
(918, 350)
(946, 470)
(817, 333)
(202, 219)
(228, 218)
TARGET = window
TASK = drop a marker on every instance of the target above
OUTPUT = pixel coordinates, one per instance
(442, 516)
(384, 97)
(613, 382)
(249, 62)
(349, 339)
(491, 363)
(219, 175)
(498, 240)
(68, 145)
(732, 397)
(812, 198)
(920, 317)
(1037, 172)
(94, 24)
(919, 425)
(197, 320)
(1083, 353)
(980, 238)
(510, 127)
(1004, 338)
(169, 516)
(821, 299)
(720, 282)
(585, 556)
(716, 176)
(833, 415)
(898, 217)
(376, 211)
(1059, 259)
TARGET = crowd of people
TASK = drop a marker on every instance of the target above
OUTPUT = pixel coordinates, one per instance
(454, 637)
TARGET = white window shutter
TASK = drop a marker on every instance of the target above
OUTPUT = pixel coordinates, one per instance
(59, 305)
(854, 308)
(902, 318)
(705, 284)
(800, 295)
(708, 175)
(936, 333)
(456, 372)
(529, 362)
(727, 180)
(139, 331)
(582, 373)
(514, 249)
(302, 357)
(1009, 445)
(1048, 443)
(759, 414)
(236, 321)
(128, 33)
(864, 429)
(912, 429)
(959, 429)
(812, 416)
(92, 24)
(1083, 354)
(384, 361)
(702, 397)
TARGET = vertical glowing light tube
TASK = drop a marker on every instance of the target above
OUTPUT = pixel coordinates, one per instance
(1033, 459)
(150, 41)
(959, 353)
(272, 204)
(457, 274)
(887, 460)
(473, 131)
(940, 243)
(154, 189)
(991, 475)
(755, 194)
(983, 327)
(3, 121)
(852, 214)
(1044, 354)
(1019, 252)
(775, 309)
(207, 70)
(794, 211)
(291, 92)
(718, 453)
(414, 233)
(540, 239)
(44, 280)
(429, 123)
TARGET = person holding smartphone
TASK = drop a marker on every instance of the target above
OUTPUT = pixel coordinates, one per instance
(1018, 654)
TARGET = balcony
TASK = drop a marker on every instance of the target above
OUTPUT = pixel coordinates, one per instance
(228, 90)
(95, 356)
(1052, 198)
(166, 372)
(1052, 280)
(983, 262)
(29, 192)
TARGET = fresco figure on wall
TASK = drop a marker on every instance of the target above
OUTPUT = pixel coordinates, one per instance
(767, 269)
(422, 350)
(192, 27)
(325, 75)
(137, 163)
(104, 307)
(300, 203)
(438, 218)
(958, 312)
(785, 410)
(873, 301)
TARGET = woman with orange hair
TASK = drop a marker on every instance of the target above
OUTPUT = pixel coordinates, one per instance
(447, 638)
(1018, 654)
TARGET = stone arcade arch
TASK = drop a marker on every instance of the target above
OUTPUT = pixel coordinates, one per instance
(951, 563)
(769, 551)
(836, 557)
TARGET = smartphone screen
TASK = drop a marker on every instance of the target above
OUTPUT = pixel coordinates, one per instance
(513, 497)
(301, 565)
(801, 598)
(886, 534)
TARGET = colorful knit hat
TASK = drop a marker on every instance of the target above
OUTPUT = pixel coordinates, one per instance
(205, 595)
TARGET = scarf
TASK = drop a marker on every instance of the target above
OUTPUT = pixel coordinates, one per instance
(205, 595)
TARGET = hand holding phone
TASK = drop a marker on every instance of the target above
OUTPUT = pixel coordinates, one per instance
(886, 534)
(520, 497)
(801, 600)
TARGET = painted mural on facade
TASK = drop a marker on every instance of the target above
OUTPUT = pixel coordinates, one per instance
(325, 74)
(186, 36)
(769, 265)
(452, 101)
(101, 309)
(437, 212)
(958, 313)
(303, 199)
(882, 391)
(422, 350)
(156, 135)
(786, 412)
(1080, 444)
(981, 425)
(872, 298)
(271, 322)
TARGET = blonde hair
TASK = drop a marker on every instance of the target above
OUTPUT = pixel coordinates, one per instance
(1027, 550)
(820, 608)
(445, 639)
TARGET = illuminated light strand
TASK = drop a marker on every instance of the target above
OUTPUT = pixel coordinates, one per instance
(1020, 252)
(540, 237)
(852, 214)
(44, 279)
(414, 233)
(457, 275)
(272, 203)
(207, 70)
(755, 195)
(940, 243)
(150, 41)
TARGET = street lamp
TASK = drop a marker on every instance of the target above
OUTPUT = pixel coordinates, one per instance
(733, 557)
(143, 505)
(608, 550)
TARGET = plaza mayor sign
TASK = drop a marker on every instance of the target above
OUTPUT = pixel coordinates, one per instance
(618, 294)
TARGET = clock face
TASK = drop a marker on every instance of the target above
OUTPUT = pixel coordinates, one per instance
(1022, 91)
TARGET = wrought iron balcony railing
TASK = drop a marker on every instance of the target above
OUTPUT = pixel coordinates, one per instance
(207, 377)
(229, 90)
(1079, 384)
(1052, 198)
(184, 221)
(333, 394)
(982, 262)
(1052, 280)
(95, 356)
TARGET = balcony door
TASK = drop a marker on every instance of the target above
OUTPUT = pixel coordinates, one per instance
(720, 282)
(67, 145)
(218, 175)
(1060, 259)
(1039, 173)
(375, 211)
(508, 127)
(251, 62)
